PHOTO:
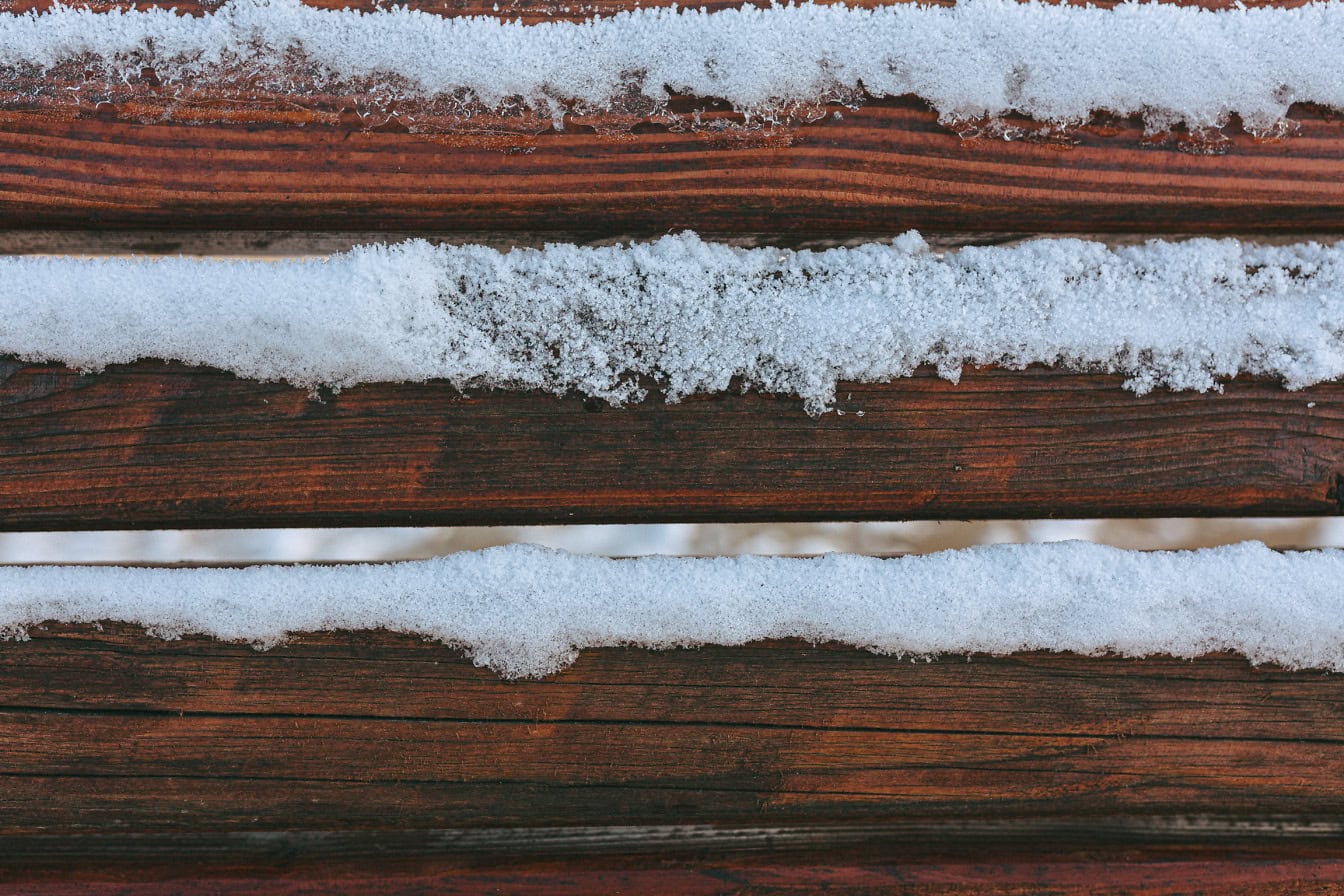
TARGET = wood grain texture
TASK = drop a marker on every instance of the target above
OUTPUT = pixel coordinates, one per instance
(776, 766)
(157, 445)
(880, 169)
(1302, 876)
(75, 156)
(369, 762)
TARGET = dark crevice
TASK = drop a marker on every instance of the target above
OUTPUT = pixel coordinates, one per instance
(663, 723)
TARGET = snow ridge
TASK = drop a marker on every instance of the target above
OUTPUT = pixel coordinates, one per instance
(527, 611)
(1058, 63)
(694, 316)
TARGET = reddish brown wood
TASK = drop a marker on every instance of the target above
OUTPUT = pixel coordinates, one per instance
(296, 243)
(883, 168)
(373, 763)
(1134, 877)
(161, 445)
(774, 766)
(133, 156)
(385, 676)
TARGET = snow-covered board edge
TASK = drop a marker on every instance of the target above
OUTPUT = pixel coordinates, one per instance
(1059, 63)
(527, 611)
(695, 317)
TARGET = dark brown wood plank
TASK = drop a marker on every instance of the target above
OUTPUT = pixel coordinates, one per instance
(139, 158)
(71, 667)
(349, 756)
(162, 445)
(300, 243)
(1137, 877)
(880, 169)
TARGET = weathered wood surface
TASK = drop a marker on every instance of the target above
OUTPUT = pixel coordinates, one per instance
(371, 762)
(362, 755)
(162, 445)
(142, 159)
(880, 169)
(1305, 875)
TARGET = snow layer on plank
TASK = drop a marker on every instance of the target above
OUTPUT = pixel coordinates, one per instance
(527, 611)
(693, 316)
(978, 58)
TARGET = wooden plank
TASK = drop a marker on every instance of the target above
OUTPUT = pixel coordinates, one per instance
(347, 755)
(162, 445)
(1308, 876)
(316, 243)
(143, 158)
(76, 668)
(880, 169)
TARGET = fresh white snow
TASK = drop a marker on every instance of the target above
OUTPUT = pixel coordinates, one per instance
(1058, 63)
(527, 611)
(693, 315)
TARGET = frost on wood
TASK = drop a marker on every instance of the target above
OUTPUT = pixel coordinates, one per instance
(696, 317)
(527, 611)
(979, 58)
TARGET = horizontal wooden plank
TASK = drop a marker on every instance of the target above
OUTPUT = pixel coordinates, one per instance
(116, 670)
(213, 157)
(143, 157)
(346, 754)
(1133, 877)
(288, 244)
(156, 445)
(880, 169)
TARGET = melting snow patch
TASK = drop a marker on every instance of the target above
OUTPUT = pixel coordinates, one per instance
(1055, 62)
(527, 611)
(693, 316)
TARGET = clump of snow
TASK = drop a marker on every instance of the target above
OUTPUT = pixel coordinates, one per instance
(527, 611)
(1055, 62)
(693, 316)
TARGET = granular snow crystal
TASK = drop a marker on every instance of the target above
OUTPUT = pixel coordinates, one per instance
(1172, 64)
(527, 611)
(695, 317)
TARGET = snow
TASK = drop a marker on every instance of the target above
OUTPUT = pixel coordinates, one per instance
(1060, 63)
(527, 611)
(693, 315)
